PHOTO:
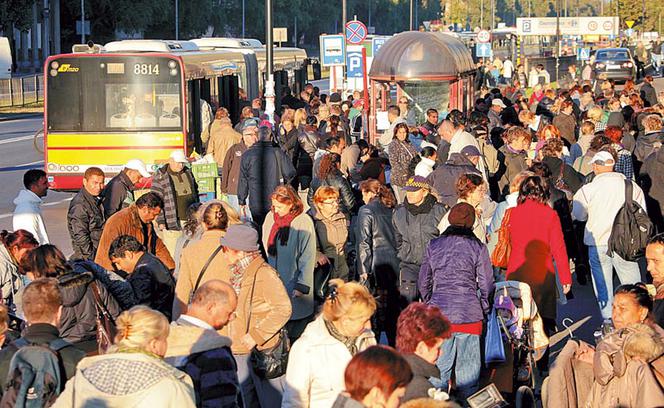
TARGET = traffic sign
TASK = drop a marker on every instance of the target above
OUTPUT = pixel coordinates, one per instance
(483, 36)
(356, 32)
(483, 50)
(332, 48)
(376, 43)
(354, 62)
(629, 23)
(583, 54)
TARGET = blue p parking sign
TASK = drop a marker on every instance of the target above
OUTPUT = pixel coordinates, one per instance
(354, 63)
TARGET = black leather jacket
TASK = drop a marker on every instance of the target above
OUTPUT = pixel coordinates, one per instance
(338, 181)
(85, 220)
(376, 244)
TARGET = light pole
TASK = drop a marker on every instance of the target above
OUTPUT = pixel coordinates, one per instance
(243, 15)
(269, 74)
(557, 38)
(410, 21)
(177, 18)
(482, 14)
(343, 15)
(82, 21)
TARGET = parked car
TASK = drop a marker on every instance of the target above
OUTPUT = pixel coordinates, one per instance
(615, 63)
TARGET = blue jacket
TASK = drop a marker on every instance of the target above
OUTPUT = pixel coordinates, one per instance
(456, 276)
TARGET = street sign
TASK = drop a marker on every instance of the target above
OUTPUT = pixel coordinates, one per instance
(483, 50)
(354, 62)
(483, 36)
(356, 32)
(583, 54)
(280, 34)
(376, 43)
(629, 23)
(426, 25)
(332, 50)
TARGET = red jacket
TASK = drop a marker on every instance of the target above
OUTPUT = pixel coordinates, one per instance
(537, 240)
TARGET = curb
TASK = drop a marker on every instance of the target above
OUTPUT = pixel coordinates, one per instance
(13, 116)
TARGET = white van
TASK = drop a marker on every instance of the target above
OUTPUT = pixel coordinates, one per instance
(5, 59)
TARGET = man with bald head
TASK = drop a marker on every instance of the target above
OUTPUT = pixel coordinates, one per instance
(195, 347)
(446, 132)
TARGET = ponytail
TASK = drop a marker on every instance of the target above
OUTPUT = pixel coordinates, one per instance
(381, 191)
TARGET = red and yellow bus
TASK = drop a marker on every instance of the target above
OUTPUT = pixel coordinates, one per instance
(137, 99)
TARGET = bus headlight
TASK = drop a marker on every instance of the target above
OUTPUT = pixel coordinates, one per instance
(173, 72)
(55, 65)
(172, 64)
(54, 72)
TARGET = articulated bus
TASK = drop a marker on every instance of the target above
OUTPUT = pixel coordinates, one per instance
(136, 99)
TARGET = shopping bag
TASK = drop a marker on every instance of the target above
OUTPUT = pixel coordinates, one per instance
(494, 349)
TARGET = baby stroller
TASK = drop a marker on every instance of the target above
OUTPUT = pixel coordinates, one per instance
(523, 339)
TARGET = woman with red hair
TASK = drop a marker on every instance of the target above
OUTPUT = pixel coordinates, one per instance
(421, 331)
(14, 247)
(375, 378)
(624, 164)
(289, 239)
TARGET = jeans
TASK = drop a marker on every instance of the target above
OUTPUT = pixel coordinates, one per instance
(461, 352)
(255, 391)
(601, 268)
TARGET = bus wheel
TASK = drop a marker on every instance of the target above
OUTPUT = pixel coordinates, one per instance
(38, 141)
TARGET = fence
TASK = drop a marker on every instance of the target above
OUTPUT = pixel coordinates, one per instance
(21, 91)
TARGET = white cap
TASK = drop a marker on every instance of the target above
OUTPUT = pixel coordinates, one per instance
(139, 166)
(178, 156)
(498, 102)
(603, 158)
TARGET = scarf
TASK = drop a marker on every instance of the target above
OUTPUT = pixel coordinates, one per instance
(280, 227)
(423, 208)
(237, 269)
(349, 342)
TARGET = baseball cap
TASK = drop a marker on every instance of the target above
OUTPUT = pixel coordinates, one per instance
(603, 158)
(498, 102)
(417, 183)
(470, 151)
(178, 156)
(139, 166)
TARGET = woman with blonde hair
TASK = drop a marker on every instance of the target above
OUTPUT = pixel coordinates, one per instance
(316, 364)
(201, 261)
(331, 227)
(300, 119)
(289, 239)
(140, 376)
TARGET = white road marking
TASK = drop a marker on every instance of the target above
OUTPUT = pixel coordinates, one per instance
(3, 216)
(19, 139)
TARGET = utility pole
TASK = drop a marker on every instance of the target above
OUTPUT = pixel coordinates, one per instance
(82, 21)
(177, 20)
(243, 16)
(493, 15)
(557, 38)
(410, 20)
(269, 74)
(643, 18)
(482, 14)
(343, 16)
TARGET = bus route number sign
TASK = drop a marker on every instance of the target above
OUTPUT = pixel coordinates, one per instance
(146, 69)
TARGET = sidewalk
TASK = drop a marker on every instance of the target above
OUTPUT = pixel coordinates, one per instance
(4, 117)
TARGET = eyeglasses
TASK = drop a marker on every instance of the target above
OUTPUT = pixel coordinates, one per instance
(330, 202)
(403, 101)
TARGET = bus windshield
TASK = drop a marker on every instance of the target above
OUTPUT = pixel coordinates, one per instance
(114, 94)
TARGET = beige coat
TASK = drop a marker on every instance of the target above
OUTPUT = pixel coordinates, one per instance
(221, 139)
(193, 258)
(270, 308)
(153, 383)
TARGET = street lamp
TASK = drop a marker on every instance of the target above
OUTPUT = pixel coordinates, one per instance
(177, 19)
(269, 74)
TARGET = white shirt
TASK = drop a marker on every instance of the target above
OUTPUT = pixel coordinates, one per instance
(196, 322)
(599, 203)
(424, 167)
(28, 215)
(508, 69)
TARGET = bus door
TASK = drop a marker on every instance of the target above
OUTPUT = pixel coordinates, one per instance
(229, 96)
(194, 109)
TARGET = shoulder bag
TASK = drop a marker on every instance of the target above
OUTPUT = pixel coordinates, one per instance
(269, 363)
(501, 253)
(202, 272)
(106, 328)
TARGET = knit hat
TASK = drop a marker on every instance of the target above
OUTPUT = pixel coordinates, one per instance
(240, 237)
(416, 183)
(462, 215)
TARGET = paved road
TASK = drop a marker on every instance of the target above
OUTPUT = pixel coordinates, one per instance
(17, 155)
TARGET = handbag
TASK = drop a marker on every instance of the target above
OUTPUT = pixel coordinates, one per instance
(106, 328)
(271, 362)
(494, 349)
(321, 278)
(202, 272)
(501, 253)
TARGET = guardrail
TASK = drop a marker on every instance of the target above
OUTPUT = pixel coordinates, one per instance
(21, 91)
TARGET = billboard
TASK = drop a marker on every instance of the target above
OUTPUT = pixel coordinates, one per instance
(568, 26)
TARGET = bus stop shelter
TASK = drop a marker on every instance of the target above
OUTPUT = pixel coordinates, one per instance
(432, 69)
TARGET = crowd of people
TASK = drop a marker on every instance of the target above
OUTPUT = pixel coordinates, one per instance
(329, 243)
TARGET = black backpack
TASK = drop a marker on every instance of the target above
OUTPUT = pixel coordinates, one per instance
(631, 229)
(36, 376)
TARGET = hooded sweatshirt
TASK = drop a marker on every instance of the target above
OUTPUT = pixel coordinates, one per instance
(206, 357)
(28, 216)
(126, 380)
